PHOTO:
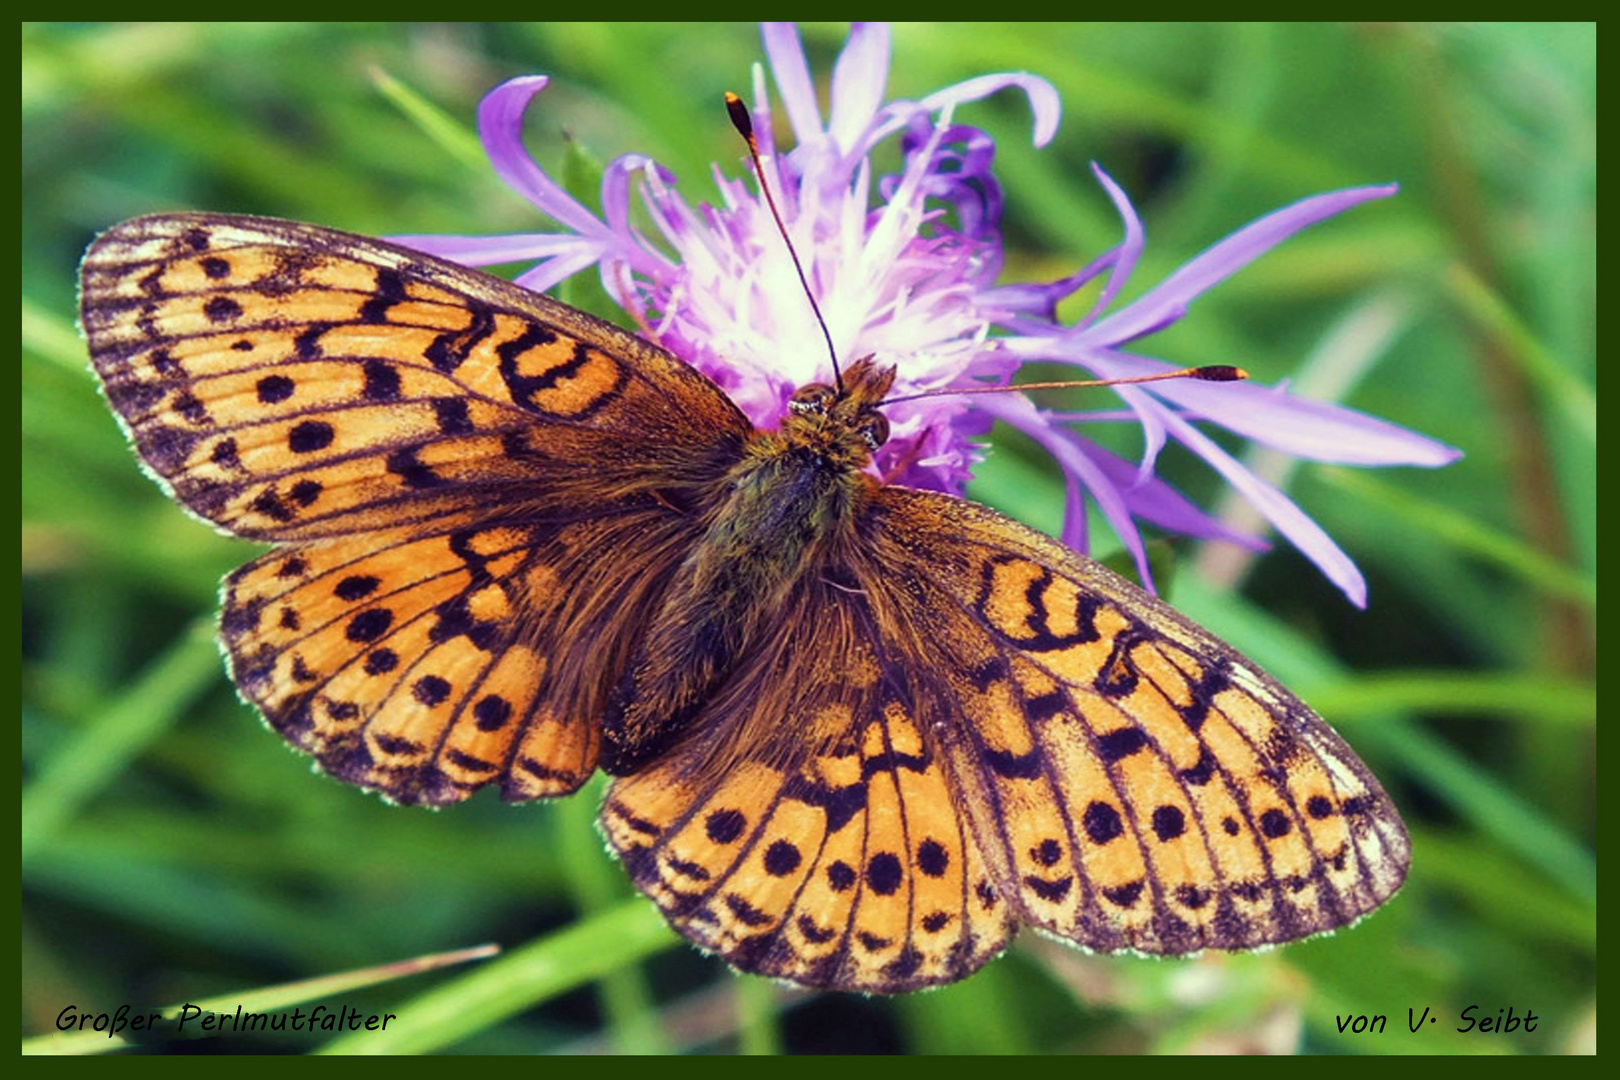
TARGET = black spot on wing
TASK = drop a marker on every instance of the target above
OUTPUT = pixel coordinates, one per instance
(381, 380)
(449, 350)
(1050, 891)
(1120, 743)
(388, 291)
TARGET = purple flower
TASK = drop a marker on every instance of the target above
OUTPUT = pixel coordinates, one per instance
(905, 267)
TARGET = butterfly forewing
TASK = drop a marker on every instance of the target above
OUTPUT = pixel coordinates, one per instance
(1135, 783)
(290, 382)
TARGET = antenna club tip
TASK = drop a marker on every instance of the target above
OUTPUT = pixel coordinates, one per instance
(1219, 373)
(739, 115)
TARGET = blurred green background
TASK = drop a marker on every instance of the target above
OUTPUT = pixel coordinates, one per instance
(174, 850)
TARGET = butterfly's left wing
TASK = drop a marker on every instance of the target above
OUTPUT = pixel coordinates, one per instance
(806, 828)
(474, 490)
(292, 383)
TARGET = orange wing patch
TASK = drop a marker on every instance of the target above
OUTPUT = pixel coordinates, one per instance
(851, 869)
(399, 666)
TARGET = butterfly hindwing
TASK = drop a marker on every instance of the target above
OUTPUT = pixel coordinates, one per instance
(1134, 782)
(427, 666)
(807, 829)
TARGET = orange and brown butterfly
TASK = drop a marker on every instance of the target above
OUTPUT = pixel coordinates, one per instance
(858, 734)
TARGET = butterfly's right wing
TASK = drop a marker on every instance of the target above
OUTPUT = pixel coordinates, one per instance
(1133, 782)
(473, 488)
(958, 725)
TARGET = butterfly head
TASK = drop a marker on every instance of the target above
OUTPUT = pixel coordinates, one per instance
(842, 422)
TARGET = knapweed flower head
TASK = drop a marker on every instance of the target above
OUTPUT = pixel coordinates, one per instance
(905, 268)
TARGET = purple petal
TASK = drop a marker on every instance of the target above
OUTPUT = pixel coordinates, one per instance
(1156, 501)
(674, 218)
(1021, 413)
(616, 189)
(760, 105)
(559, 269)
(1280, 510)
(1147, 414)
(858, 82)
(1168, 301)
(1043, 98)
(1318, 430)
(1129, 250)
(494, 250)
(785, 52)
(895, 115)
(1042, 300)
(1075, 526)
(1304, 428)
(500, 126)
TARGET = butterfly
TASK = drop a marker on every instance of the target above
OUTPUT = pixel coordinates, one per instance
(858, 734)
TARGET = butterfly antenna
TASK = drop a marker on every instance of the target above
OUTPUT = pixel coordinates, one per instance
(1208, 373)
(745, 127)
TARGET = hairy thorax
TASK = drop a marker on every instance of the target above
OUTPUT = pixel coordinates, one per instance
(793, 498)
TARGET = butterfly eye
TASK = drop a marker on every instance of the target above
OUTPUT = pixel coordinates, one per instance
(875, 430)
(812, 399)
